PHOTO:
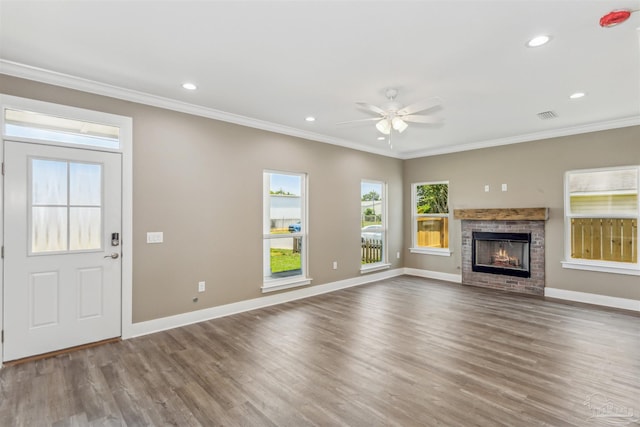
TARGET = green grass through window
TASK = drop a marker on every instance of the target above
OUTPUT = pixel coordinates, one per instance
(284, 260)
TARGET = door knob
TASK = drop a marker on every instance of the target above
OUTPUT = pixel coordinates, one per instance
(114, 255)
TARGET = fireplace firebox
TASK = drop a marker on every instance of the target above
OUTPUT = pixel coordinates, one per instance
(501, 253)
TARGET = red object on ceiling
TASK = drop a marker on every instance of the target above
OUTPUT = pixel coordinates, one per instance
(614, 18)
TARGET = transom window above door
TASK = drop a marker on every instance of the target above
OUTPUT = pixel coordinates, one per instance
(45, 127)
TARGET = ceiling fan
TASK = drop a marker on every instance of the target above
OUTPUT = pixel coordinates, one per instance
(393, 116)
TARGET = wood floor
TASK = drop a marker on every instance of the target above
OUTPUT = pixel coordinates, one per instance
(400, 352)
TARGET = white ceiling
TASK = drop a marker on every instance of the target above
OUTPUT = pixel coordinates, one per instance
(269, 64)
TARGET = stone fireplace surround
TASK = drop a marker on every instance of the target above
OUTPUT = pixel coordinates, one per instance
(524, 220)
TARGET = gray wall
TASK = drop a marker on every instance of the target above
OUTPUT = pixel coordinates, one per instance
(534, 173)
(200, 182)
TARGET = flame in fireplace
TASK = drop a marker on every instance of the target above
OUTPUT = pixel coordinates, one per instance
(502, 258)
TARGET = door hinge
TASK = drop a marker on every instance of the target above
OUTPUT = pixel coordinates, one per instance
(2, 336)
(2, 253)
(2, 168)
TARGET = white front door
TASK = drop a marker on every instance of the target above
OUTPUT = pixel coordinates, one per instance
(62, 271)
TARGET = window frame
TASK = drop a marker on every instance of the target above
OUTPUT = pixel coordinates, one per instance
(269, 284)
(415, 249)
(384, 262)
(616, 267)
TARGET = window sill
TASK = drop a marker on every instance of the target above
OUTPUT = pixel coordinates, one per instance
(431, 251)
(370, 268)
(279, 285)
(615, 268)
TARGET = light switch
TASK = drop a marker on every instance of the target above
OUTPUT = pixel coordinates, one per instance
(504, 187)
(155, 237)
(486, 188)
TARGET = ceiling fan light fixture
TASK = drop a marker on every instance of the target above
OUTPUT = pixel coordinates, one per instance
(384, 126)
(399, 124)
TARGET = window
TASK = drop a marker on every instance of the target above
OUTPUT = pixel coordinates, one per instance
(601, 219)
(40, 126)
(430, 218)
(373, 226)
(284, 231)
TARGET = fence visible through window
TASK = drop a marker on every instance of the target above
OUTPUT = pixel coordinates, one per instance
(371, 251)
(432, 232)
(606, 239)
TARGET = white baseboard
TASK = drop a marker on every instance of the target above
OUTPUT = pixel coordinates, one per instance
(456, 278)
(170, 322)
(607, 301)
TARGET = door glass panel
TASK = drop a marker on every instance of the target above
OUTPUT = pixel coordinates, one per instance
(85, 228)
(66, 208)
(85, 181)
(48, 229)
(49, 182)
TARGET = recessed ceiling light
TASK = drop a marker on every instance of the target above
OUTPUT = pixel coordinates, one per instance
(538, 41)
(381, 138)
(310, 119)
(189, 86)
(577, 95)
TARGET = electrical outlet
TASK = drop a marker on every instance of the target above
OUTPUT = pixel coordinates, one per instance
(335, 265)
(398, 255)
(201, 286)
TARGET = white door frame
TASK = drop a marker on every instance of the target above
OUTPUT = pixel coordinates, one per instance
(126, 148)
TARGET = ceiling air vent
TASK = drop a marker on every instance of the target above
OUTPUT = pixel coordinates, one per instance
(546, 115)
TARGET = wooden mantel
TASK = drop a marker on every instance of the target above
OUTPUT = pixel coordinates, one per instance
(513, 214)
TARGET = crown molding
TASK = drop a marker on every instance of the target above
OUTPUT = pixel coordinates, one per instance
(535, 136)
(72, 82)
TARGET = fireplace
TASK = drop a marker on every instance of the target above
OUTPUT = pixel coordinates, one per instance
(501, 253)
(503, 248)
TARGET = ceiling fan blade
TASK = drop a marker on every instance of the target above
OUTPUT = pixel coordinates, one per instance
(421, 119)
(373, 108)
(360, 120)
(425, 104)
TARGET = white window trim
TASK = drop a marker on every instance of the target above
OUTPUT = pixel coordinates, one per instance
(431, 251)
(384, 262)
(415, 249)
(64, 111)
(603, 266)
(370, 268)
(287, 283)
(595, 265)
(272, 285)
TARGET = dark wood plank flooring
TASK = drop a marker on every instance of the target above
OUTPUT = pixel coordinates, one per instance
(400, 352)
